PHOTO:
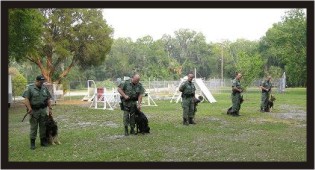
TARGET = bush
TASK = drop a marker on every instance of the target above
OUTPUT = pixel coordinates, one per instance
(19, 83)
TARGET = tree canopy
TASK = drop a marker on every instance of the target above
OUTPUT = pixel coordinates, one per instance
(284, 46)
(25, 31)
(58, 39)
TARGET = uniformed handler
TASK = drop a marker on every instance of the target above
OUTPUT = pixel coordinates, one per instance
(131, 92)
(188, 93)
(37, 99)
(236, 95)
(265, 86)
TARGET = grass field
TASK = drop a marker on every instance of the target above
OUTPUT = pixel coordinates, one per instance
(97, 135)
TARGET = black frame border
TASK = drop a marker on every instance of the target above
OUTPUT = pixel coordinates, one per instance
(309, 5)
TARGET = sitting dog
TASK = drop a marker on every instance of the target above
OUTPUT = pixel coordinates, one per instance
(141, 122)
(270, 103)
(229, 111)
(52, 131)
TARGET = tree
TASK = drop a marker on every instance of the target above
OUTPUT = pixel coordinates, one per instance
(159, 63)
(19, 83)
(247, 60)
(191, 51)
(223, 51)
(250, 66)
(284, 45)
(184, 38)
(75, 36)
(117, 63)
(25, 30)
(275, 72)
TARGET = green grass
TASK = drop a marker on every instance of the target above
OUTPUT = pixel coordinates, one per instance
(97, 135)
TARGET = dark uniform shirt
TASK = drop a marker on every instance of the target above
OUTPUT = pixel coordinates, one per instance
(37, 96)
(236, 83)
(131, 90)
(188, 89)
(266, 84)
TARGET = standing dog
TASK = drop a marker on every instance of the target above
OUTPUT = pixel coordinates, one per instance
(52, 131)
(196, 101)
(270, 103)
(141, 122)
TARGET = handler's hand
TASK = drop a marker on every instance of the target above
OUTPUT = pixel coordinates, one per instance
(29, 111)
(50, 112)
(139, 107)
(127, 97)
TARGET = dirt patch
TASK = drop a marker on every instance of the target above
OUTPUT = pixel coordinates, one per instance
(86, 124)
(287, 114)
(116, 137)
(222, 122)
(73, 102)
(290, 112)
(109, 124)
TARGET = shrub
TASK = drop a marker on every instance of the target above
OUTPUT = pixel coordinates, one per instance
(19, 83)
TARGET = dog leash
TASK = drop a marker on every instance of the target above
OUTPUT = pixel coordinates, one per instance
(24, 116)
(27, 114)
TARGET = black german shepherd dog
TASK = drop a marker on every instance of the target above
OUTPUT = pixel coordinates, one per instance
(229, 111)
(141, 122)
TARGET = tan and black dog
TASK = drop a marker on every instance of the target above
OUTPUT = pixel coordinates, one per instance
(52, 131)
(270, 103)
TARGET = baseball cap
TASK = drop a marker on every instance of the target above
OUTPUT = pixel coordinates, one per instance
(40, 77)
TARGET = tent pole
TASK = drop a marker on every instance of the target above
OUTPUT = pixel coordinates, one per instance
(195, 73)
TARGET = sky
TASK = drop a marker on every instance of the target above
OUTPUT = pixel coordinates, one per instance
(216, 25)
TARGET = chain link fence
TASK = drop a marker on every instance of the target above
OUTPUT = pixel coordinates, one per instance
(161, 90)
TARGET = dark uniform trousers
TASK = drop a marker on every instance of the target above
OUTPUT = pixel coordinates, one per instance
(236, 100)
(188, 107)
(38, 119)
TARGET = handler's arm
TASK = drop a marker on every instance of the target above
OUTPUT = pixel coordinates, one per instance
(49, 106)
(263, 88)
(236, 89)
(122, 93)
(28, 105)
(181, 87)
(139, 101)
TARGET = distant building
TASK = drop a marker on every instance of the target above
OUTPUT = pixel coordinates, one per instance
(10, 91)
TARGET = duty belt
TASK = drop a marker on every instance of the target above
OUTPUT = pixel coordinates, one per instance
(188, 96)
(36, 107)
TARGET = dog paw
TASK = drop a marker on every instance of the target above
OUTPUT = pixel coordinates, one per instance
(58, 143)
(53, 143)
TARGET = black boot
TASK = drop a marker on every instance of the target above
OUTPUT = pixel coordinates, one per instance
(235, 113)
(43, 142)
(32, 144)
(262, 109)
(126, 131)
(185, 122)
(191, 121)
(229, 111)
